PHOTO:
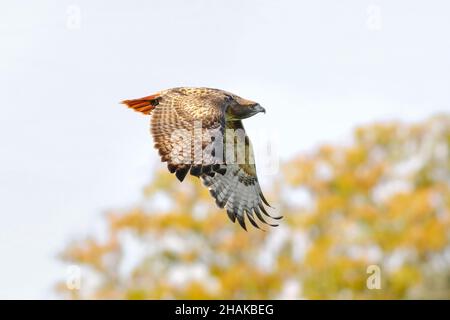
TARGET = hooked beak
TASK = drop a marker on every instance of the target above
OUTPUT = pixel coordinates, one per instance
(258, 108)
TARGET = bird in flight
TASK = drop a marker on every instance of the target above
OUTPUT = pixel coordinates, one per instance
(200, 131)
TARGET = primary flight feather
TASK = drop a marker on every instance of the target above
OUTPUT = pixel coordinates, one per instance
(199, 131)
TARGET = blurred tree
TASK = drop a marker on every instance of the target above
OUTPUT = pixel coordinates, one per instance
(382, 200)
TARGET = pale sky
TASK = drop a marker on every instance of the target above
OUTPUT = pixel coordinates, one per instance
(69, 151)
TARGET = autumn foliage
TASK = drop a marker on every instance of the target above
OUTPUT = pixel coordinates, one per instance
(381, 200)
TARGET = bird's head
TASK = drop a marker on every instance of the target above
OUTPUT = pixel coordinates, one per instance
(239, 108)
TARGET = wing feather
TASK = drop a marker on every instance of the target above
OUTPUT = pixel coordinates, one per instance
(238, 190)
(181, 125)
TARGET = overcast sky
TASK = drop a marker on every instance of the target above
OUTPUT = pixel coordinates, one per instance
(69, 151)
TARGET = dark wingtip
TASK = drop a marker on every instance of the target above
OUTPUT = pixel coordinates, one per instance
(181, 173)
(222, 171)
(206, 169)
(260, 217)
(261, 206)
(264, 200)
(172, 168)
(241, 221)
(252, 221)
(258, 214)
(220, 204)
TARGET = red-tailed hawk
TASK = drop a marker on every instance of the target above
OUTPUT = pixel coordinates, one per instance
(199, 130)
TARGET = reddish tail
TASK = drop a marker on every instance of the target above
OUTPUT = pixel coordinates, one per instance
(144, 105)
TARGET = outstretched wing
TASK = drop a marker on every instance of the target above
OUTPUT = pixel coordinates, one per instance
(184, 123)
(238, 190)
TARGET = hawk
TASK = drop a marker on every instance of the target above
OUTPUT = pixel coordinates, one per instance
(199, 131)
